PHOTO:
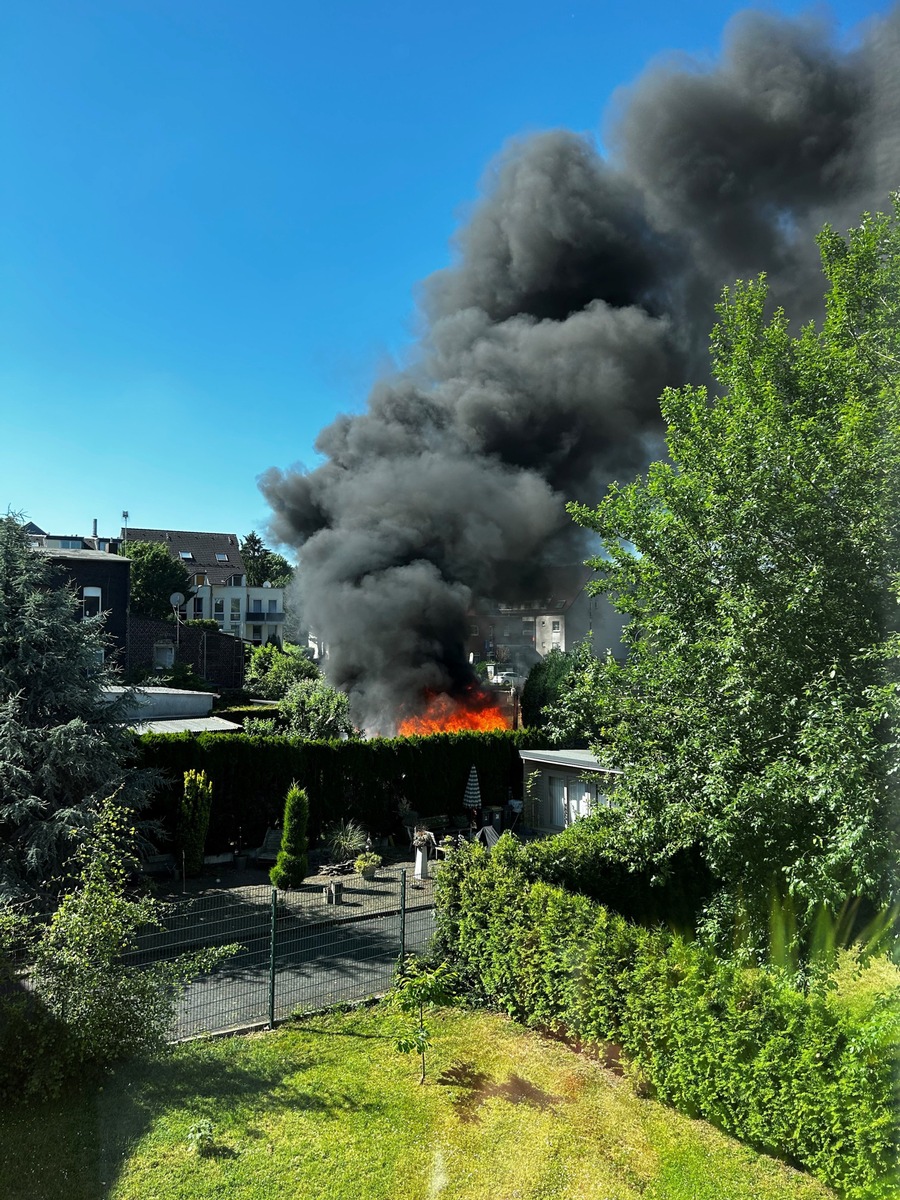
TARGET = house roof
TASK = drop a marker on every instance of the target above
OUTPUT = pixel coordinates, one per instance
(80, 555)
(580, 760)
(205, 550)
(561, 589)
(187, 725)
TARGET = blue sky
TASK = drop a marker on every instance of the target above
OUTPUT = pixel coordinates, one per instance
(215, 215)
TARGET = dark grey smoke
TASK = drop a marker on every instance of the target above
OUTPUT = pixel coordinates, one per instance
(582, 288)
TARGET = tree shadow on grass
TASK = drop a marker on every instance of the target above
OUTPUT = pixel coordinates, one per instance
(477, 1086)
(76, 1147)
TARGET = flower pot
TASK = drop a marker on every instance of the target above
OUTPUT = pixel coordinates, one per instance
(421, 871)
(369, 873)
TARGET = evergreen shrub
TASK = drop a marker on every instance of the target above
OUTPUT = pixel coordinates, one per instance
(292, 865)
(791, 1071)
(193, 819)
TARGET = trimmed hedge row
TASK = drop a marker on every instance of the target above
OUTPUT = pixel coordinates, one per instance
(790, 1072)
(364, 780)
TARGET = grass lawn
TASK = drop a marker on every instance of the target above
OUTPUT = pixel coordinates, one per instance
(326, 1108)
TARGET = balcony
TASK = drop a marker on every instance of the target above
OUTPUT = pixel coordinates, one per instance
(263, 618)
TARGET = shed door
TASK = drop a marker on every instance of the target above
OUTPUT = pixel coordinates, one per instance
(557, 790)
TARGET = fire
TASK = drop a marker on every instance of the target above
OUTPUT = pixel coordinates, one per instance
(447, 714)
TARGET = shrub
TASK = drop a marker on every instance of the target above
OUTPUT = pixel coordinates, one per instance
(292, 865)
(790, 1071)
(193, 820)
(345, 840)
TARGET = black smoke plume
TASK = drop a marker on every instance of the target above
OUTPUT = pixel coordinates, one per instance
(582, 288)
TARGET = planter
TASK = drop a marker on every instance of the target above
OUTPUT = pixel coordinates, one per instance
(240, 862)
(369, 873)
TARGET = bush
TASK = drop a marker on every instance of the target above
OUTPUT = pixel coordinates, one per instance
(791, 1072)
(193, 820)
(86, 1007)
(292, 865)
(345, 840)
(271, 671)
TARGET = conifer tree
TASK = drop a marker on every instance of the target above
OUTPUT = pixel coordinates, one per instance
(292, 865)
(63, 746)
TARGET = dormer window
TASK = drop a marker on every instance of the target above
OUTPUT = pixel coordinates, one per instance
(199, 580)
(235, 581)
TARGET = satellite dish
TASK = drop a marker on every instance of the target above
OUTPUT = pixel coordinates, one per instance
(176, 599)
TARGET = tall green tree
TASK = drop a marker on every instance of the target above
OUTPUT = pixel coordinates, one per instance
(271, 671)
(292, 864)
(63, 746)
(155, 576)
(264, 565)
(313, 709)
(755, 717)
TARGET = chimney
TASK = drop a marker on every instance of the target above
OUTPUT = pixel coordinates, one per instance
(95, 527)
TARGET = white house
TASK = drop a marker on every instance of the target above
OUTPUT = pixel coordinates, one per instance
(563, 785)
(220, 590)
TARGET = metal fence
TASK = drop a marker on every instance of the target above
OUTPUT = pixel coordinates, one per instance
(300, 950)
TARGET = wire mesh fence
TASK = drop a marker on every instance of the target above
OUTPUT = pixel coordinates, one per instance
(304, 949)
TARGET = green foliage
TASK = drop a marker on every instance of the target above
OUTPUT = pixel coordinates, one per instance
(271, 671)
(193, 822)
(313, 709)
(201, 1138)
(155, 576)
(264, 565)
(542, 687)
(419, 986)
(86, 1007)
(755, 718)
(367, 862)
(794, 1072)
(344, 840)
(292, 865)
(63, 747)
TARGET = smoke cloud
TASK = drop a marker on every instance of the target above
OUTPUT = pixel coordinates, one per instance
(581, 289)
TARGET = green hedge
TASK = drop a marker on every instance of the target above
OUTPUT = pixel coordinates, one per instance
(364, 780)
(788, 1071)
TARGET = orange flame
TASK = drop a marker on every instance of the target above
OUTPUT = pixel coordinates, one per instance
(446, 714)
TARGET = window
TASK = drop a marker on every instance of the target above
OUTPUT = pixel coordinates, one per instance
(221, 558)
(198, 580)
(186, 555)
(257, 633)
(219, 611)
(256, 605)
(71, 544)
(273, 606)
(235, 580)
(90, 601)
(473, 631)
(554, 625)
(235, 608)
(198, 608)
(236, 630)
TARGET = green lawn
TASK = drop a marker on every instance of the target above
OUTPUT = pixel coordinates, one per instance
(327, 1108)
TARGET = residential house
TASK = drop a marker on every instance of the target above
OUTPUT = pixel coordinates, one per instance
(219, 583)
(101, 579)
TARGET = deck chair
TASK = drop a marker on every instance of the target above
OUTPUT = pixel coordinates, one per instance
(268, 851)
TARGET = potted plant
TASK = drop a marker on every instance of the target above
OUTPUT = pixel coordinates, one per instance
(367, 864)
(422, 839)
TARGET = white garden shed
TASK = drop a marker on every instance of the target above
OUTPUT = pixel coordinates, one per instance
(563, 785)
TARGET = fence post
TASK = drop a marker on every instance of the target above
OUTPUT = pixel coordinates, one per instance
(402, 915)
(272, 932)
